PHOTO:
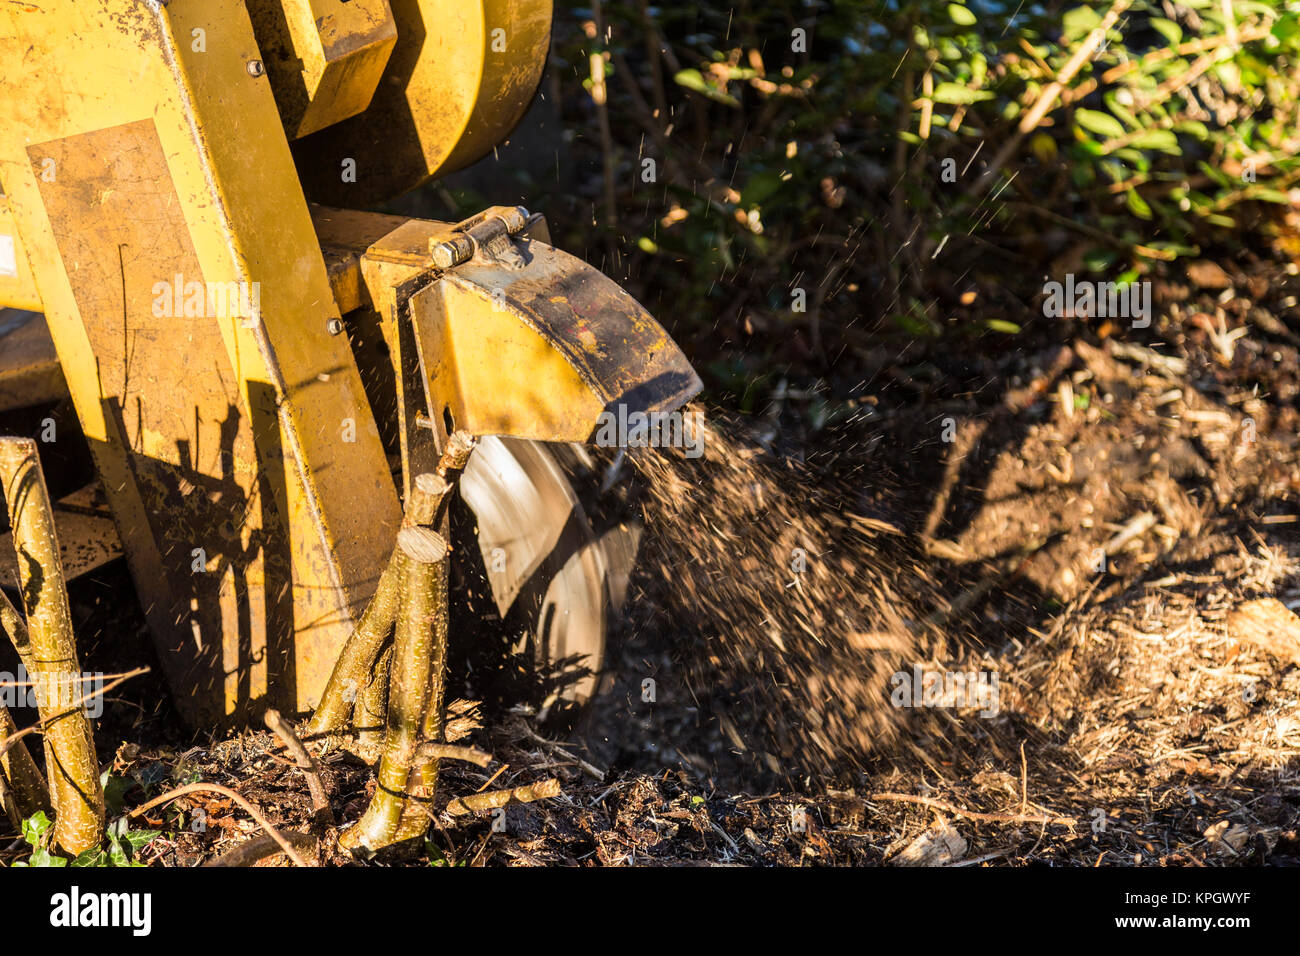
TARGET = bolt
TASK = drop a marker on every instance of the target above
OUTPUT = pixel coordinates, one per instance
(451, 252)
(255, 68)
(515, 219)
(335, 326)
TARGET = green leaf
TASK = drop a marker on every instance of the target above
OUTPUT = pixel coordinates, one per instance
(1161, 139)
(1135, 158)
(1193, 128)
(1002, 325)
(1118, 110)
(1099, 259)
(44, 858)
(137, 840)
(961, 15)
(694, 80)
(955, 94)
(1286, 27)
(1137, 205)
(35, 827)
(1167, 29)
(115, 789)
(117, 855)
(1215, 173)
(1103, 124)
(1079, 22)
(1264, 194)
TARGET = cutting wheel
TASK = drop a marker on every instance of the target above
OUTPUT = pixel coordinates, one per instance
(535, 582)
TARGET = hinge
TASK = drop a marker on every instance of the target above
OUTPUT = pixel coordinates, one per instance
(485, 237)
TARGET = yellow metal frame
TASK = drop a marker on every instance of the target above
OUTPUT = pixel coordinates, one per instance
(195, 302)
(241, 442)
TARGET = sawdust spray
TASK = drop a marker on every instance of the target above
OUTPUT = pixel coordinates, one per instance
(785, 614)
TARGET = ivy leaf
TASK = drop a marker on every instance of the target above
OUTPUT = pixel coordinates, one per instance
(137, 840)
(44, 858)
(117, 855)
(35, 827)
(92, 857)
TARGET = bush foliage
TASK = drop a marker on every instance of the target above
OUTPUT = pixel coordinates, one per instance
(871, 155)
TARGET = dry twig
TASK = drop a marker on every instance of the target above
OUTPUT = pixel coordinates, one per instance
(306, 763)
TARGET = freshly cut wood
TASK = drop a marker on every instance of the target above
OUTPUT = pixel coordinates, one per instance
(356, 685)
(1268, 624)
(419, 654)
(428, 492)
(70, 759)
(940, 845)
(423, 781)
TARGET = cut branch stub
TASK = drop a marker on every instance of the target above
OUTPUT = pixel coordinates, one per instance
(419, 651)
(428, 493)
(460, 445)
(70, 757)
(423, 781)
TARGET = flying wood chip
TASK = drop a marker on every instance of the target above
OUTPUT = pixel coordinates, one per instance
(1268, 624)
